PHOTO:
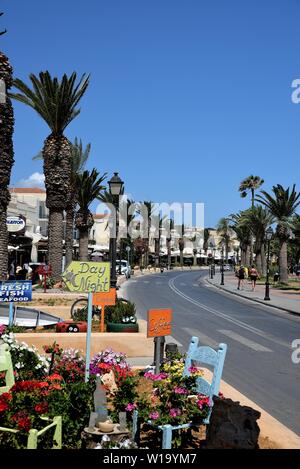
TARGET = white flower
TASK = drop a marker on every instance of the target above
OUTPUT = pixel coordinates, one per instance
(98, 446)
(105, 438)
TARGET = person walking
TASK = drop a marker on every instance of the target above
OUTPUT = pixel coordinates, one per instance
(241, 277)
(253, 276)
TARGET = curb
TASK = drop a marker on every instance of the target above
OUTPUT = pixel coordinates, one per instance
(290, 311)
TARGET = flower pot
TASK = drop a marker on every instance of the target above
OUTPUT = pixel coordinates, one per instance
(122, 327)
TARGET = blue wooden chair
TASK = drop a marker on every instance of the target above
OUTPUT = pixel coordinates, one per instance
(196, 355)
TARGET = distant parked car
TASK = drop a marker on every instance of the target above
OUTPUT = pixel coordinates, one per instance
(297, 270)
(125, 268)
(226, 267)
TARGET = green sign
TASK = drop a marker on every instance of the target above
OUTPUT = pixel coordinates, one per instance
(86, 277)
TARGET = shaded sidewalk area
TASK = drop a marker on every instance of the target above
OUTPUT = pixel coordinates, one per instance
(287, 300)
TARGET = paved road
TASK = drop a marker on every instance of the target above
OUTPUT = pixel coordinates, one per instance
(258, 361)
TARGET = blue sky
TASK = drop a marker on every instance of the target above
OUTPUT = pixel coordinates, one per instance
(187, 97)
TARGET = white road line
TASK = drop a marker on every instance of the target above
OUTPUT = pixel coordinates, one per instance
(241, 324)
(242, 340)
(170, 339)
(203, 339)
(195, 284)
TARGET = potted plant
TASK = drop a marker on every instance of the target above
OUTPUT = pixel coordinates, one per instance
(121, 317)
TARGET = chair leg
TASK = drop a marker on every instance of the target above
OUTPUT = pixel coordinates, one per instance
(32, 439)
(167, 437)
(57, 437)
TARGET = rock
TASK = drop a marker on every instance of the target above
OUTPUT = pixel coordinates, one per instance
(232, 426)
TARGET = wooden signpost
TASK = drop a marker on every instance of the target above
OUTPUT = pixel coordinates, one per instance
(104, 299)
(92, 278)
(159, 325)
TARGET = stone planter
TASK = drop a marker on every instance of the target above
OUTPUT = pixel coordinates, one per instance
(122, 327)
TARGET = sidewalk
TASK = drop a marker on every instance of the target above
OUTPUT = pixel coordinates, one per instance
(282, 299)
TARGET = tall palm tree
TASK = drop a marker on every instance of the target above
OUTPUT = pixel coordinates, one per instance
(79, 157)
(282, 206)
(90, 186)
(224, 230)
(6, 158)
(250, 184)
(169, 240)
(258, 219)
(56, 102)
(147, 216)
(206, 240)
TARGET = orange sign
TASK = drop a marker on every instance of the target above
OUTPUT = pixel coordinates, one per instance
(109, 298)
(159, 322)
(104, 299)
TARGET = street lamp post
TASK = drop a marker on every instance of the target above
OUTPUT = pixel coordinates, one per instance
(115, 188)
(269, 235)
(222, 266)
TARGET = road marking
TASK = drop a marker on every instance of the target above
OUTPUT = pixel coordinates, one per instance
(237, 322)
(242, 340)
(203, 339)
(146, 281)
(171, 340)
(195, 284)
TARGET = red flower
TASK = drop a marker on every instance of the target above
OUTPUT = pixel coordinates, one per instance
(3, 406)
(55, 377)
(41, 408)
(23, 420)
(55, 386)
(43, 384)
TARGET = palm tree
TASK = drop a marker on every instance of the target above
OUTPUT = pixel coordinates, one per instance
(282, 206)
(6, 158)
(243, 234)
(56, 102)
(250, 184)
(89, 188)
(206, 240)
(225, 232)
(169, 239)
(79, 157)
(147, 216)
(258, 219)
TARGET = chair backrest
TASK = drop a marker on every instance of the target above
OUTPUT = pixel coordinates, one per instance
(206, 356)
(6, 366)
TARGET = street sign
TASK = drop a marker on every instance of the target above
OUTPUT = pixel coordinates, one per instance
(16, 291)
(87, 277)
(159, 322)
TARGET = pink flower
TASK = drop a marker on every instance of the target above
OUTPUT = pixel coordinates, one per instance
(154, 416)
(175, 412)
(154, 377)
(179, 390)
(130, 407)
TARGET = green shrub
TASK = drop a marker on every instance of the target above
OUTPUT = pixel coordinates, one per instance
(123, 311)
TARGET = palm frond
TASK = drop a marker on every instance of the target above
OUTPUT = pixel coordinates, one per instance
(53, 99)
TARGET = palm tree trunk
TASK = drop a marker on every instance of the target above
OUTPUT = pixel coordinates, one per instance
(70, 214)
(3, 246)
(169, 253)
(83, 245)
(258, 260)
(6, 160)
(157, 250)
(247, 255)
(181, 258)
(55, 246)
(283, 262)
